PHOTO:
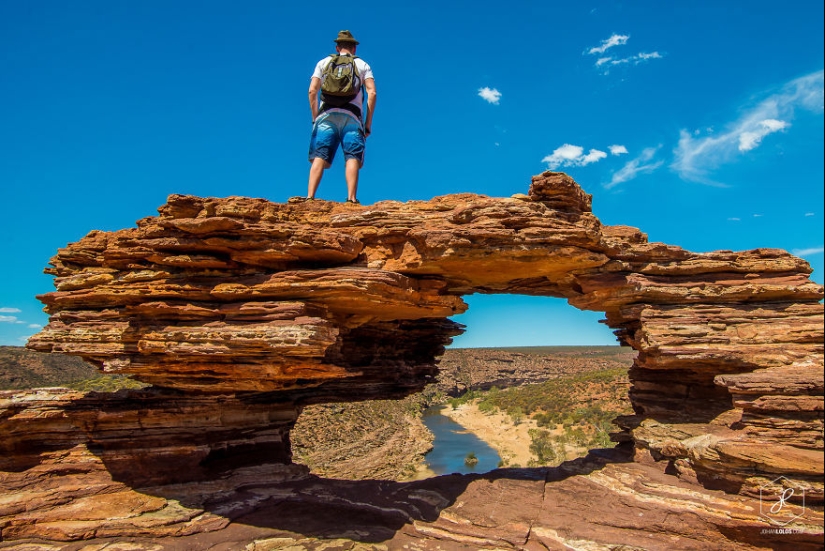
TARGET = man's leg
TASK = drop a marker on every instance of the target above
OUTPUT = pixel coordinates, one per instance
(316, 172)
(322, 146)
(353, 144)
(353, 167)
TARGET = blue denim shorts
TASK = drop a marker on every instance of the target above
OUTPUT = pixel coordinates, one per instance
(332, 129)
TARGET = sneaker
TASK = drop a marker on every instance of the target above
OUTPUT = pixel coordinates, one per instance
(300, 199)
(353, 201)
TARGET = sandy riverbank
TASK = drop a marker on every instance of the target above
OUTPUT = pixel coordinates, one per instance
(512, 442)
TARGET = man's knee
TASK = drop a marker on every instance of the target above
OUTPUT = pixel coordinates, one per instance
(319, 163)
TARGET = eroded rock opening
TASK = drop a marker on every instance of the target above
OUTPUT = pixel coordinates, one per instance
(267, 307)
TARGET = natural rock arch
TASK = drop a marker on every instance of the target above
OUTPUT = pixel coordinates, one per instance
(246, 303)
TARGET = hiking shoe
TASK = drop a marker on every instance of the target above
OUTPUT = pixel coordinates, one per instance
(300, 199)
(353, 201)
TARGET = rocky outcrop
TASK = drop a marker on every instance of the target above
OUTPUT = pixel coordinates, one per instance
(311, 302)
(600, 502)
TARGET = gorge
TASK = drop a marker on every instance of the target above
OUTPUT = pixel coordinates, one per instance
(240, 312)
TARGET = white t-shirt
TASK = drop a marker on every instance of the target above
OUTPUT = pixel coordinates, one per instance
(364, 73)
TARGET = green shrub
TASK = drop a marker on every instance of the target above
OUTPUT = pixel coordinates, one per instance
(516, 414)
(542, 445)
(486, 406)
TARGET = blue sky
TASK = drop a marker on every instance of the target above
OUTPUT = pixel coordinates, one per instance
(701, 123)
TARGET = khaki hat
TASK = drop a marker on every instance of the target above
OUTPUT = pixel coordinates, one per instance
(346, 36)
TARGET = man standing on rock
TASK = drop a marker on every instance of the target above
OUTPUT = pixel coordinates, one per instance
(341, 79)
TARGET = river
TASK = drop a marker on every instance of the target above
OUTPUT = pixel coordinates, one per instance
(451, 445)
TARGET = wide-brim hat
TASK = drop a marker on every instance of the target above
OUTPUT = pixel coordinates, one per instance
(346, 36)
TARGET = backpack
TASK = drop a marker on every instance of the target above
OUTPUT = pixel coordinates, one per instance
(340, 82)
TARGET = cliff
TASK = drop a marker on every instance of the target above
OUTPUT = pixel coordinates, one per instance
(263, 308)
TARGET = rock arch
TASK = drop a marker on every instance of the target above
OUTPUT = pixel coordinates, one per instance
(251, 303)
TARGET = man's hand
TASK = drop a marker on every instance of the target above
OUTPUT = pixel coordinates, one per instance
(367, 131)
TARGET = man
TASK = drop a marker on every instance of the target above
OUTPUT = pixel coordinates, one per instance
(335, 123)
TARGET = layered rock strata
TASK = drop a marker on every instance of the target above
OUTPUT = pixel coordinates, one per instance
(600, 502)
(317, 302)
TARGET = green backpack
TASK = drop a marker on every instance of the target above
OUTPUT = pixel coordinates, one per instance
(340, 82)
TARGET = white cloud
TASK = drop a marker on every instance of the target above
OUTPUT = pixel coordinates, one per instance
(9, 319)
(734, 219)
(619, 40)
(614, 40)
(752, 138)
(617, 149)
(696, 157)
(639, 165)
(809, 214)
(491, 95)
(634, 59)
(9, 310)
(572, 155)
(644, 56)
(35, 326)
(808, 252)
(593, 156)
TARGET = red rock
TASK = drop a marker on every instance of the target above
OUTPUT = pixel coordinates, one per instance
(276, 304)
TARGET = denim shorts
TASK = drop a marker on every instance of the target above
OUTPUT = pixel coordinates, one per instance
(332, 129)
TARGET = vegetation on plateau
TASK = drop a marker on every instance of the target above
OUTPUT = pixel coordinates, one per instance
(573, 413)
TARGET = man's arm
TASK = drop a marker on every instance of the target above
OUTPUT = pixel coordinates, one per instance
(314, 88)
(369, 85)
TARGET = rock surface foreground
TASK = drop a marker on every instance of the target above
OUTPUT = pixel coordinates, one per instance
(264, 307)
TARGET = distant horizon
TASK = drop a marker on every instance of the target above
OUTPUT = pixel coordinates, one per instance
(617, 345)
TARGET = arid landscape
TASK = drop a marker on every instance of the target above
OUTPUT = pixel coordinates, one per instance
(386, 439)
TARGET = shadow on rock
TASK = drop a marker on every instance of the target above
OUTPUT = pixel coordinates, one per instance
(371, 510)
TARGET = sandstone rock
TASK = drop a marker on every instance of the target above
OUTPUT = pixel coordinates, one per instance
(261, 307)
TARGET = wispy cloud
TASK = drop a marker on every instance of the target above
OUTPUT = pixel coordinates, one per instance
(572, 155)
(605, 62)
(34, 326)
(810, 214)
(696, 158)
(808, 252)
(634, 59)
(617, 149)
(614, 40)
(490, 95)
(734, 219)
(640, 165)
(9, 319)
(4, 318)
(752, 138)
